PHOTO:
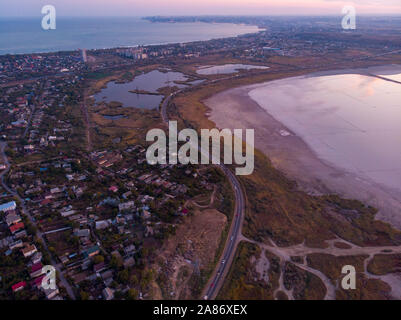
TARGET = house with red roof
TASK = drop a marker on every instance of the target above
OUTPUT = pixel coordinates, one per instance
(18, 286)
(36, 270)
(37, 283)
(15, 227)
(45, 202)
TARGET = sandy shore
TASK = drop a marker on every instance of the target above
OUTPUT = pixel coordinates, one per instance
(290, 154)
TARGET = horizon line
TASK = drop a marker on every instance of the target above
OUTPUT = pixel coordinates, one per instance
(211, 15)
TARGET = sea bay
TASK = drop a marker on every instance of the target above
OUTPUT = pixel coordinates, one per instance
(25, 35)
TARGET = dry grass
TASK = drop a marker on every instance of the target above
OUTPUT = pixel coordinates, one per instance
(331, 265)
(304, 285)
(240, 283)
(382, 264)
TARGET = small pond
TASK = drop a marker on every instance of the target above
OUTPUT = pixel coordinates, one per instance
(148, 82)
(227, 69)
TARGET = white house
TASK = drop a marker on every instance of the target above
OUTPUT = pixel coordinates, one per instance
(8, 206)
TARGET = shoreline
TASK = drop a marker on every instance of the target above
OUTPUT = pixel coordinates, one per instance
(234, 108)
(259, 29)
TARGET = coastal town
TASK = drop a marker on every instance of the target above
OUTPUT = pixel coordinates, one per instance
(96, 215)
(76, 190)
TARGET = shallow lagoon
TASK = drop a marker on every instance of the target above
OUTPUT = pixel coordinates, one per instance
(351, 121)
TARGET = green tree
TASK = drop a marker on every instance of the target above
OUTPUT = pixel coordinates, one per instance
(123, 276)
(133, 280)
(115, 262)
(132, 294)
(98, 259)
(84, 295)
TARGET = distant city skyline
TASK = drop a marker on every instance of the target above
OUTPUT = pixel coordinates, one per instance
(196, 7)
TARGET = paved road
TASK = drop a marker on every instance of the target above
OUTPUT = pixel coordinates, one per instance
(223, 265)
(216, 282)
(24, 210)
(57, 230)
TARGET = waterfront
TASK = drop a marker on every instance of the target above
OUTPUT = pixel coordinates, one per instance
(25, 35)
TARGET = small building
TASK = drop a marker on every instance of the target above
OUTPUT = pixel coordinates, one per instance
(16, 227)
(102, 224)
(12, 205)
(108, 293)
(91, 252)
(106, 275)
(55, 190)
(82, 232)
(16, 244)
(129, 249)
(51, 293)
(67, 213)
(37, 257)
(29, 147)
(126, 206)
(29, 250)
(18, 286)
(45, 202)
(37, 283)
(99, 267)
(20, 234)
(36, 270)
(12, 218)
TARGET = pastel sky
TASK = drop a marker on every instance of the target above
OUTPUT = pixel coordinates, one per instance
(194, 7)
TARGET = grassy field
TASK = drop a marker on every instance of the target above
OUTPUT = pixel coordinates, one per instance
(383, 264)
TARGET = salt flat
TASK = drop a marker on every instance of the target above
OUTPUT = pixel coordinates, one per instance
(352, 121)
(345, 131)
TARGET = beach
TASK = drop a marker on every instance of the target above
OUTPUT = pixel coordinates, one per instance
(292, 151)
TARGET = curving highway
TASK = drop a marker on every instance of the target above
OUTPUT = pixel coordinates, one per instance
(223, 265)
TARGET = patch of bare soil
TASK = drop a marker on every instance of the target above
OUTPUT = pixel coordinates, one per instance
(189, 251)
